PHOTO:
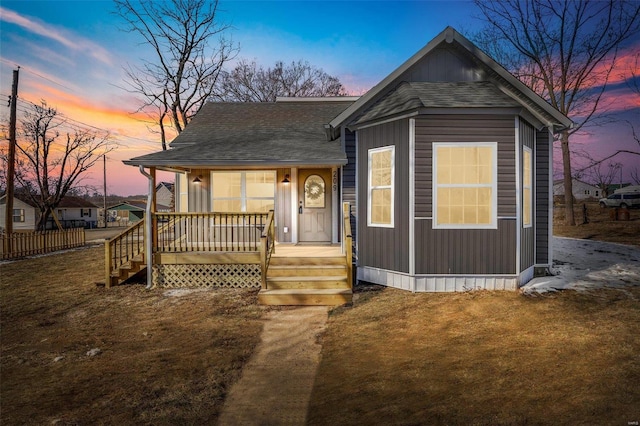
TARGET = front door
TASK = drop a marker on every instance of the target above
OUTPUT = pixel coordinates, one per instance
(314, 208)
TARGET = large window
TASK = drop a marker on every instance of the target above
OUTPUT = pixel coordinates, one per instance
(243, 191)
(527, 195)
(18, 215)
(464, 185)
(381, 179)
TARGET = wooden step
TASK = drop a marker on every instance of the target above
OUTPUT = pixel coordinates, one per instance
(330, 260)
(307, 270)
(305, 297)
(308, 282)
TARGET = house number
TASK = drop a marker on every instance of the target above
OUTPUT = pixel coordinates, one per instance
(335, 180)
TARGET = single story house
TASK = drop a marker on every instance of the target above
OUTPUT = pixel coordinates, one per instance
(25, 216)
(131, 211)
(581, 190)
(445, 165)
(72, 212)
(75, 212)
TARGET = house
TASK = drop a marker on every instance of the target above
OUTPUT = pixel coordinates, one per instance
(72, 212)
(75, 212)
(165, 194)
(25, 216)
(445, 166)
(581, 190)
(131, 211)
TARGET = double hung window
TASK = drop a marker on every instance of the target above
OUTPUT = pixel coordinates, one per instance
(380, 189)
(465, 185)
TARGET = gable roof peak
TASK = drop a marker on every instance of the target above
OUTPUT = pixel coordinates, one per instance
(450, 36)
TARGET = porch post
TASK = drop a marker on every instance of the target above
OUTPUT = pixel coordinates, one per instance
(153, 218)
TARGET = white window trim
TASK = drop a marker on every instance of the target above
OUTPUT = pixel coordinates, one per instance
(494, 186)
(243, 188)
(372, 151)
(530, 186)
(20, 215)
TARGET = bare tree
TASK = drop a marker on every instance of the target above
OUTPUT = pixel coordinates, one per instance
(603, 177)
(565, 51)
(186, 67)
(250, 82)
(46, 168)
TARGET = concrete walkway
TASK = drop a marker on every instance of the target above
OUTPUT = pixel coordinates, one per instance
(276, 383)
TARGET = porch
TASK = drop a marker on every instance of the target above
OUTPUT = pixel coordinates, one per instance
(234, 250)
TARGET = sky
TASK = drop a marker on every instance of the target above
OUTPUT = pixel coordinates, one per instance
(72, 54)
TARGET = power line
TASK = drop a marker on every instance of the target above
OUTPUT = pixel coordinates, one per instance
(38, 75)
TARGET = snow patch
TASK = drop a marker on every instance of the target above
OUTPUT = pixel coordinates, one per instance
(586, 265)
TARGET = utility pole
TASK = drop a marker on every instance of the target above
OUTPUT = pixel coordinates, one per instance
(104, 194)
(11, 168)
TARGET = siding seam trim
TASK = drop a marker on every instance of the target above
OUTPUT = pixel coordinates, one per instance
(412, 201)
(518, 197)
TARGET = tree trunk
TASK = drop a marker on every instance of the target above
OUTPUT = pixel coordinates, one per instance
(42, 221)
(569, 218)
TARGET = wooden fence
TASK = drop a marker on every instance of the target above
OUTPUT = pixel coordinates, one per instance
(20, 244)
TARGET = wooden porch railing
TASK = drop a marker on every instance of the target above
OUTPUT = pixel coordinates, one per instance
(20, 244)
(267, 247)
(183, 232)
(347, 240)
(123, 248)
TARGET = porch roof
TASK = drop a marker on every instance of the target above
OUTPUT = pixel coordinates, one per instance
(255, 134)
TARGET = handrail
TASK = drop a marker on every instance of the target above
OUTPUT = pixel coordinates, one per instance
(267, 247)
(208, 231)
(347, 240)
(122, 248)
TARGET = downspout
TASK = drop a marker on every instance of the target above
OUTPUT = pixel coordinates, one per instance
(147, 229)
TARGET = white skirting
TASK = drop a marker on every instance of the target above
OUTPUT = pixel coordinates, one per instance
(443, 283)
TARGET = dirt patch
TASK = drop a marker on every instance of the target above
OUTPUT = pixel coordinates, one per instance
(601, 226)
(74, 353)
(481, 358)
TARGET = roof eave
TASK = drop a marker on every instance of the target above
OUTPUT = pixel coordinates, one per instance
(182, 166)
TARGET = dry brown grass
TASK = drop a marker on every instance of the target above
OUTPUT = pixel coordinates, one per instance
(164, 360)
(600, 227)
(481, 358)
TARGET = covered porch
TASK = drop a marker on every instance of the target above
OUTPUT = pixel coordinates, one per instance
(233, 250)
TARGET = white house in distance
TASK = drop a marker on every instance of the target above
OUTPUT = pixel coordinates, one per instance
(72, 212)
(164, 194)
(24, 214)
(581, 190)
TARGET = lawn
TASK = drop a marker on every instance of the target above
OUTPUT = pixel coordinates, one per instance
(600, 225)
(481, 358)
(163, 359)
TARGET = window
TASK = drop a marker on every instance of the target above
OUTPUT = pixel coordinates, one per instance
(183, 194)
(381, 180)
(464, 185)
(243, 191)
(527, 195)
(18, 215)
(85, 212)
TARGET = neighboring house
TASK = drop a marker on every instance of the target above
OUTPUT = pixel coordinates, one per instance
(75, 212)
(581, 190)
(165, 194)
(25, 216)
(131, 211)
(446, 164)
(72, 212)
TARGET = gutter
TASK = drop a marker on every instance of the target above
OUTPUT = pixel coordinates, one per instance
(148, 246)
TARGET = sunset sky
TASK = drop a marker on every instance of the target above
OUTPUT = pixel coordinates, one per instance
(72, 54)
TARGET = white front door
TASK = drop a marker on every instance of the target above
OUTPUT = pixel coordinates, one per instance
(314, 208)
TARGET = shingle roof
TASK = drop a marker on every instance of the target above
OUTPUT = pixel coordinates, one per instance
(70, 202)
(533, 102)
(410, 96)
(255, 134)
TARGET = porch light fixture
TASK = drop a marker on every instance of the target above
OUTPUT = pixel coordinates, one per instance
(286, 179)
(197, 179)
